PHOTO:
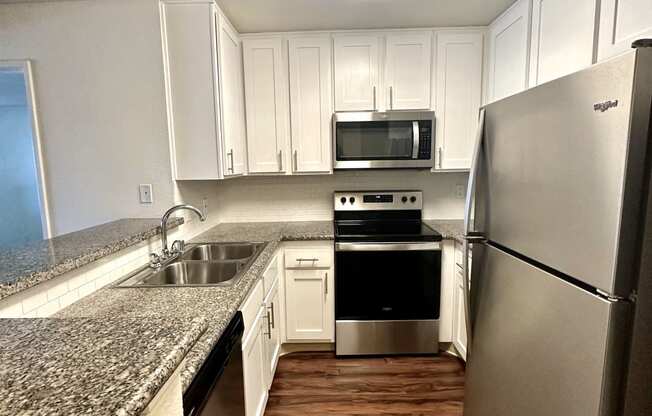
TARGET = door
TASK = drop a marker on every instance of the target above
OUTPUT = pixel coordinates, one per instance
(563, 38)
(192, 89)
(564, 172)
(509, 45)
(621, 23)
(407, 70)
(309, 305)
(541, 346)
(232, 88)
(254, 369)
(273, 334)
(266, 105)
(356, 73)
(459, 95)
(310, 103)
(459, 314)
(387, 285)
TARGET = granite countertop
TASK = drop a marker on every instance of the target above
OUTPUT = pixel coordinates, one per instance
(217, 304)
(24, 266)
(109, 366)
(449, 229)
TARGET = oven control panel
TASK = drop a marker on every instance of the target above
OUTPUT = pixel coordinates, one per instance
(377, 200)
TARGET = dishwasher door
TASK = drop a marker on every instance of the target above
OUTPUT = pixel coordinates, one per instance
(218, 387)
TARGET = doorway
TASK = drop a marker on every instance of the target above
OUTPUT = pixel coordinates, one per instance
(24, 215)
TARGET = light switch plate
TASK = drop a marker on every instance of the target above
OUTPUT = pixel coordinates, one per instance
(145, 193)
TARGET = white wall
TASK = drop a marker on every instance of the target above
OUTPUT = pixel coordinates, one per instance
(299, 198)
(98, 77)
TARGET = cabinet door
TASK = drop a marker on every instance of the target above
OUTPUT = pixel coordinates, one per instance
(253, 352)
(309, 305)
(273, 335)
(407, 70)
(232, 88)
(266, 104)
(356, 73)
(459, 315)
(509, 46)
(563, 36)
(189, 45)
(310, 103)
(621, 23)
(459, 83)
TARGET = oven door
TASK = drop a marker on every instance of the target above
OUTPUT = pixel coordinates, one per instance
(387, 281)
(382, 140)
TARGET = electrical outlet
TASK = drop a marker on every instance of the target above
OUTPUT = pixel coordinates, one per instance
(145, 193)
(460, 192)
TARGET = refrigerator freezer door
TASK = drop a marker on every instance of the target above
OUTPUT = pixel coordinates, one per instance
(542, 346)
(563, 169)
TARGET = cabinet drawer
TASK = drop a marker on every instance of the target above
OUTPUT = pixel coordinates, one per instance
(251, 306)
(270, 275)
(308, 258)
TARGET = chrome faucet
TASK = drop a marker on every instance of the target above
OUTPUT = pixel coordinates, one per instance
(177, 246)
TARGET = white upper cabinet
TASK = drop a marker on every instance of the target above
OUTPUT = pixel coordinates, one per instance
(356, 72)
(310, 103)
(231, 85)
(508, 38)
(266, 104)
(563, 36)
(192, 89)
(621, 23)
(407, 70)
(458, 96)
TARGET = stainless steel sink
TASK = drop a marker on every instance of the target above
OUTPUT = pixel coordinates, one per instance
(199, 265)
(216, 252)
(193, 273)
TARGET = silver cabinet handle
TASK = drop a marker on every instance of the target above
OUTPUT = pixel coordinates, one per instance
(280, 160)
(230, 155)
(391, 98)
(296, 160)
(273, 319)
(326, 283)
(314, 259)
(269, 329)
(374, 91)
(439, 157)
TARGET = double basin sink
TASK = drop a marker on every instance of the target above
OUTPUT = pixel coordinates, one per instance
(219, 264)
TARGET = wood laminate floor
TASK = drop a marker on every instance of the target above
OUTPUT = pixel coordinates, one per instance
(319, 384)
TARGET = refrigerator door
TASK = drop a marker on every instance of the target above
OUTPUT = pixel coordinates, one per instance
(542, 346)
(564, 166)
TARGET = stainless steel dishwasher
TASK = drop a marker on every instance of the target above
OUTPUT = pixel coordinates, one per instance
(218, 387)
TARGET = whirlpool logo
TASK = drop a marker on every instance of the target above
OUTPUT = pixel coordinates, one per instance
(604, 106)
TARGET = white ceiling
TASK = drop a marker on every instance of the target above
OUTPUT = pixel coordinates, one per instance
(287, 15)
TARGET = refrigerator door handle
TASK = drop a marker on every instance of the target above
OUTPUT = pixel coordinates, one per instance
(468, 237)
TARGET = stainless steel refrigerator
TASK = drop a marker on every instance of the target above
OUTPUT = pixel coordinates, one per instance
(559, 218)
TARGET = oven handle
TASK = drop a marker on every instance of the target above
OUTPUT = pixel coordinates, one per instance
(406, 246)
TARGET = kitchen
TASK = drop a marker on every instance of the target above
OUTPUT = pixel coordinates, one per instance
(251, 113)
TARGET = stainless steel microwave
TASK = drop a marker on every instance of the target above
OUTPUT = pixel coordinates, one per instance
(377, 140)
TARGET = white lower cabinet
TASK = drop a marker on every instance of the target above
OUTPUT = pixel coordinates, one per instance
(459, 309)
(253, 362)
(309, 300)
(272, 334)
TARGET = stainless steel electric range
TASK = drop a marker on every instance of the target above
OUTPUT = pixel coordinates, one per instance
(387, 275)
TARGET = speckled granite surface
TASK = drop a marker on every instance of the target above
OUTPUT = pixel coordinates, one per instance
(111, 366)
(216, 304)
(449, 229)
(25, 266)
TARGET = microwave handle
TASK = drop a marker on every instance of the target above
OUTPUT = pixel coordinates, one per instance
(415, 139)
